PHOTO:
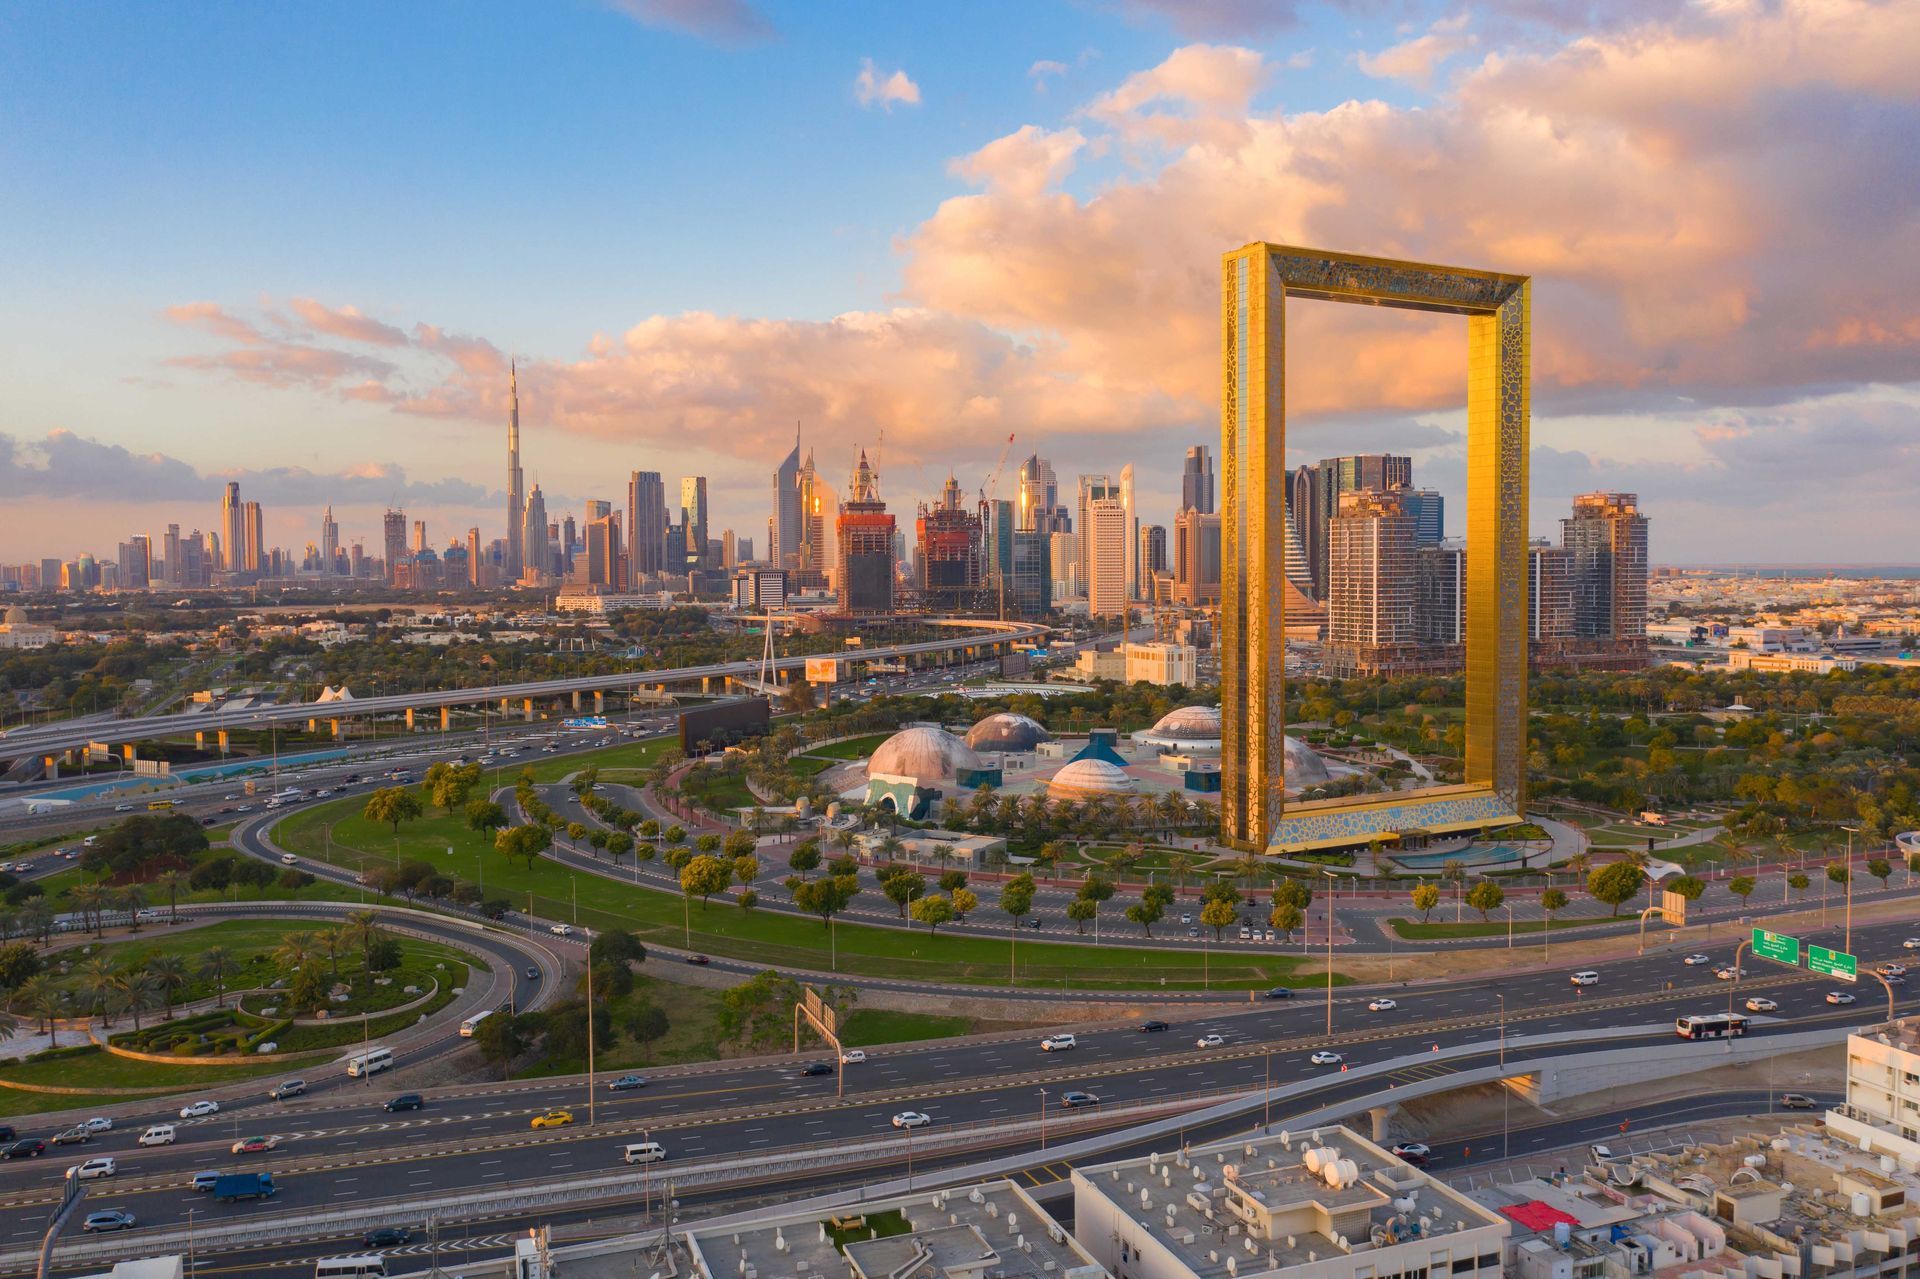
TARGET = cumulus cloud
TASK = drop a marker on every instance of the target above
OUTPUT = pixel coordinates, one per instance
(346, 322)
(1023, 163)
(729, 22)
(1415, 60)
(874, 88)
(1041, 70)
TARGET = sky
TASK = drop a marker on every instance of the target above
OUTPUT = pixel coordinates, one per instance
(296, 246)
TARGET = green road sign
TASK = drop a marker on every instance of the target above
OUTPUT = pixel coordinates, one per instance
(1833, 963)
(1778, 947)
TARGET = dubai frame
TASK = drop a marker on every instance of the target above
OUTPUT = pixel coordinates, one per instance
(1256, 281)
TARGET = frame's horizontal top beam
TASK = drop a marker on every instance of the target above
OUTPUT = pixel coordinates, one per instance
(1388, 282)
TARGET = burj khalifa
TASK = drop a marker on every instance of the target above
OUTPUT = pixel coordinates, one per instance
(516, 483)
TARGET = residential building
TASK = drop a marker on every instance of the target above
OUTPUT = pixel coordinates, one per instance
(1427, 509)
(760, 588)
(1440, 617)
(1315, 499)
(254, 539)
(1607, 536)
(1152, 558)
(1196, 558)
(1109, 555)
(1371, 585)
(393, 527)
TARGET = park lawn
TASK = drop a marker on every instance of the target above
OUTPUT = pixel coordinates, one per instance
(853, 748)
(1414, 930)
(549, 889)
(628, 755)
(719, 792)
(104, 1070)
(693, 1032)
(885, 1026)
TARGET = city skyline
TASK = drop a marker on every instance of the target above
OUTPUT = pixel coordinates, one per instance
(1720, 363)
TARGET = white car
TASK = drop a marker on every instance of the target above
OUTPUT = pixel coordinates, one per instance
(1729, 973)
(1911, 943)
(1382, 1006)
(1210, 1041)
(1058, 1043)
(1326, 1057)
(911, 1119)
(1586, 977)
(288, 858)
(1417, 1149)
(1760, 1005)
(1839, 997)
(101, 1167)
(560, 930)
(196, 1109)
(1892, 970)
(853, 1057)
(1694, 961)
(99, 1123)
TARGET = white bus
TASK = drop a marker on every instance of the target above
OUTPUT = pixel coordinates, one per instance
(342, 1267)
(472, 1023)
(371, 1062)
(1711, 1026)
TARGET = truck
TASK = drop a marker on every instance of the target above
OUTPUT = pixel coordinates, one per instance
(1651, 818)
(230, 1186)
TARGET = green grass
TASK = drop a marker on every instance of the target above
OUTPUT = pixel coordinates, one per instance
(693, 1031)
(718, 792)
(104, 1070)
(629, 755)
(881, 1225)
(884, 1026)
(762, 936)
(854, 748)
(1414, 930)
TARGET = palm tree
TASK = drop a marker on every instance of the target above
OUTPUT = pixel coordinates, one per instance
(36, 920)
(133, 992)
(169, 973)
(296, 950)
(363, 928)
(333, 941)
(171, 882)
(1180, 864)
(9, 1024)
(890, 846)
(132, 899)
(96, 978)
(216, 964)
(43, 997)
(89, 898)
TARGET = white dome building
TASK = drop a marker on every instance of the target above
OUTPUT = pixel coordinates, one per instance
(1087, 778)
(925, 754)
(1304, 767)
(1190, 730)
(1003, 731)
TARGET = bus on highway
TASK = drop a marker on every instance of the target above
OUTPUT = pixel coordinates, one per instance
(371, 1062)
(159, 805)
(1711, 1026)
(472, 1023)
(350, 1267)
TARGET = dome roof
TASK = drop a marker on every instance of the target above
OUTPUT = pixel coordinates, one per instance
(1304, 765)
(929, 754)
(1197, 723)
(1005, 731)
(1084, 778)
(16, 616)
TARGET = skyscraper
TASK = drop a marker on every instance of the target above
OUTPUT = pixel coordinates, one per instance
(476, 575)
(1428, 512)
(136, 563)
(255, 539)
(1133, 532)
(1107, 533)
(419, 536)
(516, 483)
(176, 569)
(948, 538)
(1196, 557)
(1607, 537)
(536, 553)
(1093, 488)
(393, 528)
(1315, 497)
(693, 513)
(603, 551)
(646, 525)
(232, 536)
(1196, 481)
(329, 541)
(1153, 556)
(1371, 587)
(813, 533)
(784, 527)
(863, 575)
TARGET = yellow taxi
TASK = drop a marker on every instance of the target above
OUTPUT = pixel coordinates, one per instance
(553, 1119)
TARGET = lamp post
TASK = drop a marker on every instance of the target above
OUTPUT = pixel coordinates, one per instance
(1332, 880)
(1043, 1119)
(1851, 832)
(1505, 1092)
(1509, 906)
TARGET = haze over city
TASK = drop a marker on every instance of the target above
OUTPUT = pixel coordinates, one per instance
(297, 249)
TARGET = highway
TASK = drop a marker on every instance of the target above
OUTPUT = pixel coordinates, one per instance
(65, 736)
(340, 1146)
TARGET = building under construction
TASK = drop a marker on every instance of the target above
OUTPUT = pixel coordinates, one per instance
(863, 578)
(949, 540)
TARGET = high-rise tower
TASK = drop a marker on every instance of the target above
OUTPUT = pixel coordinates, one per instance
(516, 482)
(784, 527)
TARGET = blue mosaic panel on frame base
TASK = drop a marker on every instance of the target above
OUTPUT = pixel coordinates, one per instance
(1358, 825)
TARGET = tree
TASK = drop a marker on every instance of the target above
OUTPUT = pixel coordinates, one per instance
(1217, 914)
(747, 899)
(1288, 918)
(1798, 882)
(746, 869)
(362, 929)
(1425, 898)
(619, 844)
(1881, 869)
(134, 992)
(1551, 902)
(646, 1023)
(1839, 872)
(1080, 910)
(1146, 913)
(46, 999)
(170, 976)
(19, 963)
(1295, 893)
(826, 897)
(392, 805)
(674, 834)
(576, 831)
(1615, 884)
(932, 910)
(704, 876)
(1016, 897)
(171, 882)
(502, 1038)
(707, 843)
(952, 880)
(525, 842)
(905, 887)
(805, 857)
(1486, 896)
(449, 784)
(965, 902)
(1691, 887)
(94, 979)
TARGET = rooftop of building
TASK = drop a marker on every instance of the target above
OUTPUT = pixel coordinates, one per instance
(989, 1231)
(1903, 1033)
(1251, 1206)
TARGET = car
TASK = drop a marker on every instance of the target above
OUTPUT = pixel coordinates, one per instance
(1729, 973)
(1058, 1044)
(288, 859)
(1761, 1005)
(560, 930)
(123, 808)
(1797, 1101)
(699, 961)
(99, 1123)
(25, 1148)
(203, 1181)
(101, 1167)
(853, 1057)
(1891, 970)
(626, 1083)
(816, 1068)
(7, 1135)
(1075, 1099)
(911, 1119)
(555, 1118)
(1911, 943)
(287, 1088)
(1326, 1057)
(1278, 992)
(74, 1136)
(244, 808)
(386, 1237)
(208, 821)
(533, 973)
(1382, 1005)
(1694, 961)
(1839, 997)
(1186, 919)
(108, 1219)
(1210, 1041)
(197, 1109)
(1585, 977)
(254, 1145)
(1417, 1149)
(1153, 1026)
(405, 1101)
(1193, 932)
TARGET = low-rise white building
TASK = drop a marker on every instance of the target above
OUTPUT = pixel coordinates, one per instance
(1744, 659)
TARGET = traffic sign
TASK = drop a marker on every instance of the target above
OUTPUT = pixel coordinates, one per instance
(1833, 963)
(1778, 947)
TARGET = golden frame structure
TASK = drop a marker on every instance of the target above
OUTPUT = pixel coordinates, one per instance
(1256, 281)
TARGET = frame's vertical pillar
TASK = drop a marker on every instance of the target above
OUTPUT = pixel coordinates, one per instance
(1499, 404)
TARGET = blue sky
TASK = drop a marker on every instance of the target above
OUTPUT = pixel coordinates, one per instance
(570, 181)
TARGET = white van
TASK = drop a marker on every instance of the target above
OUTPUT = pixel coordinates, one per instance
(1058, 1043)
(645, 1152)
(1586, 977)
(158, 1135)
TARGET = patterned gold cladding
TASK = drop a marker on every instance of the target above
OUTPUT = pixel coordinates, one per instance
(1255, 283)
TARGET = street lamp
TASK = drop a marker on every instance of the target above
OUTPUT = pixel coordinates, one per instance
(1505, 1092)
(1043, 1119)
(1851, 832)
(1332, 881)
(1509, 906)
